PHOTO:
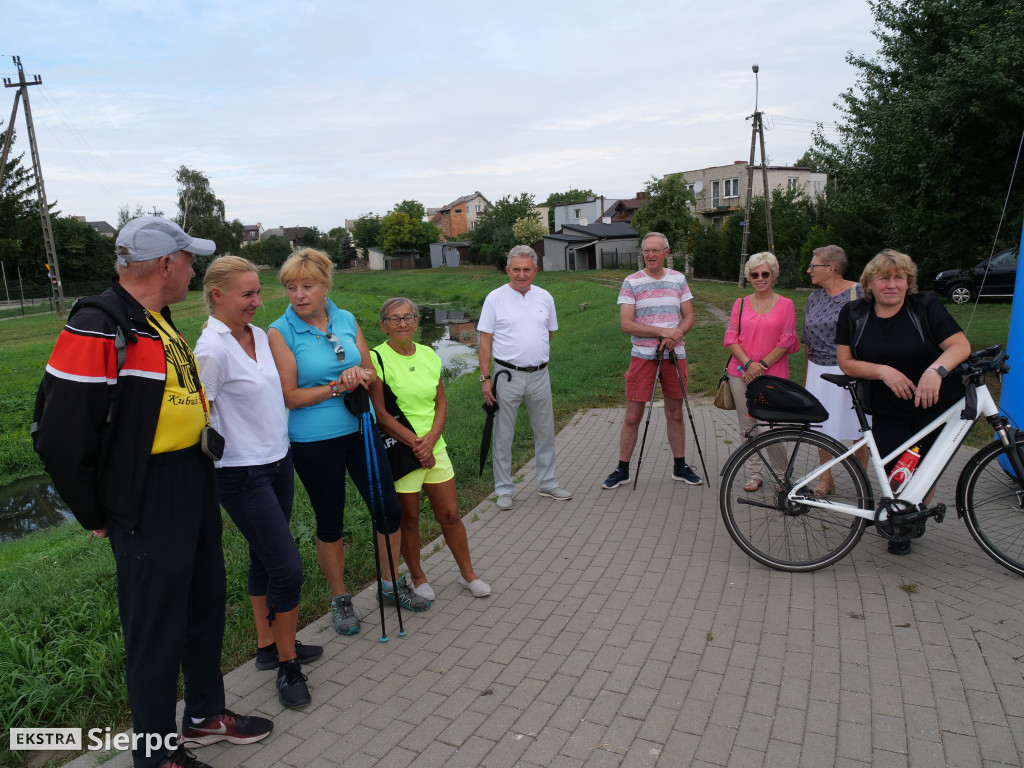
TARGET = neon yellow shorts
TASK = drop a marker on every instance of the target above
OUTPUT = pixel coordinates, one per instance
(441, 472)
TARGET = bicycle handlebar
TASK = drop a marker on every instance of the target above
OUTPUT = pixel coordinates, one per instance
(994, 359)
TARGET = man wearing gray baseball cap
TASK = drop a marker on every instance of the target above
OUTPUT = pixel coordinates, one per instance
(124, 433)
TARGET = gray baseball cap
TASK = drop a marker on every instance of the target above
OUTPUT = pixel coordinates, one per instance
(150, 237)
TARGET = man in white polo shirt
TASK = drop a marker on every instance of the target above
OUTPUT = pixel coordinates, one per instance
(515, 325)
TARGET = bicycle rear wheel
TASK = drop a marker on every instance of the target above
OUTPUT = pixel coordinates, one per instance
(992, 503)
(788, 535)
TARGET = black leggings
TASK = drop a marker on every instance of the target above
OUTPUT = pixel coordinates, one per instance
(321, 466)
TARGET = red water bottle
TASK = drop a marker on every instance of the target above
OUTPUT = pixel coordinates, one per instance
(904, 468)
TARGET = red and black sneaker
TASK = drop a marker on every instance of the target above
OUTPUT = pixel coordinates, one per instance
(227, 726)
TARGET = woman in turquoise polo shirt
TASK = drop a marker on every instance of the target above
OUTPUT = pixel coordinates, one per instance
(320, 354)
(413, 372)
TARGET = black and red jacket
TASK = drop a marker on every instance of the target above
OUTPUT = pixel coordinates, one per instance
(99, 466)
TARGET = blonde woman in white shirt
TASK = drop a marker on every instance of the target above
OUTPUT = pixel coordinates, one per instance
(255, 477)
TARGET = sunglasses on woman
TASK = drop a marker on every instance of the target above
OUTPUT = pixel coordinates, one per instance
(339, 350)
(756, 275)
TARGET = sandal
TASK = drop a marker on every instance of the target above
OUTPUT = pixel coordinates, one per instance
(753, 484)
(824, 489)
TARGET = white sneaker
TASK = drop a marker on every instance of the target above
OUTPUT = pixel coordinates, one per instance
(504, 502)
(478, 587)
(425, 591)
(559, 494)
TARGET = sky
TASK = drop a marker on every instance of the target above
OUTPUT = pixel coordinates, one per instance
(308, 112)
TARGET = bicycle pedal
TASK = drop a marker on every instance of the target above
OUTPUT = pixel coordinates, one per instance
(938, 512)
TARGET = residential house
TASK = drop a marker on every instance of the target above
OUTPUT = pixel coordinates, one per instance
(252, 233)
(581, 213)
(459, 216)
(722, 190)
(621, 211)
(292, 234)
(102, 227)
(592, 246)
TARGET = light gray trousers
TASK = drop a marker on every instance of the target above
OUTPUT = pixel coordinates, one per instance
(535, 390)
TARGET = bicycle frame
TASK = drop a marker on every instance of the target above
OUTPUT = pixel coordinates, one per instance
(932, 465)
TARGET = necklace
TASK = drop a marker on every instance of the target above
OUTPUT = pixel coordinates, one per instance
(775, 297)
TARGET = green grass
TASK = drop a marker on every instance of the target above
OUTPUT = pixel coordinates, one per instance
(61, 655)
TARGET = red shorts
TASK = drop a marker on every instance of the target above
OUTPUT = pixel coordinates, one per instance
(640, 379)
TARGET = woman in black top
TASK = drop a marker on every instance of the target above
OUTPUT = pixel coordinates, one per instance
(904, 343)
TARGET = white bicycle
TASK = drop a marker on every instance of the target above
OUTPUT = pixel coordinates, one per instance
(786, 526)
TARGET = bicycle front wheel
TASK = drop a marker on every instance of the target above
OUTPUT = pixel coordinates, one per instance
(992, 503)
(789, 535)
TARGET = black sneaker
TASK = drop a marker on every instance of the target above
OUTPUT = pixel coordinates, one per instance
(616, 478)
(227, 726)
(687, 475)
(291, 685)
(899, 547)
(409, 599)
(267, 658)
(181, 758)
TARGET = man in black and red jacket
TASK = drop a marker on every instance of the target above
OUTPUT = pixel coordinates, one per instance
(121, 439)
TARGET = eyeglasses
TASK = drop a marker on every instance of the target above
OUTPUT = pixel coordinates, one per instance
(756, 275)
(649, 251)
(399, 319)
(815, 266)
(339, 350)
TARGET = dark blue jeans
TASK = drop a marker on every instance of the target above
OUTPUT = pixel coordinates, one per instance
(259, 501)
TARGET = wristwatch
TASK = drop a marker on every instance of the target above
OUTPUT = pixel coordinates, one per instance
(941, 370)
(485, 377)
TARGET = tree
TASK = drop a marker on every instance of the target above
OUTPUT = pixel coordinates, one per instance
(927, 141)
(84, 254)
(528, 229)
(808, 160)
(124, 215)
(494, 228)
(414, 209)
(401, 231)
(561, 198)
(665, 210)
(201, 214)
(312, 238)
(366, 232)
(19, 217)
(347, 253)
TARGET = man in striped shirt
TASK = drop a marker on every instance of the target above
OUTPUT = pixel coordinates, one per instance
(655, 310)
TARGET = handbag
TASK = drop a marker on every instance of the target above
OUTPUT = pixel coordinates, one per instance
(400, 456)
(723, 398)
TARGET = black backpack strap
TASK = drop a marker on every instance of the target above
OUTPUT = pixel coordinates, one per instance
(109, 304)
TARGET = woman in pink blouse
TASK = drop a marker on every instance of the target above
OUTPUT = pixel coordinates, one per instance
(761, 336)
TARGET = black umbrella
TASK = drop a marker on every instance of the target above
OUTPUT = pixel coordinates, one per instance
(490, 410)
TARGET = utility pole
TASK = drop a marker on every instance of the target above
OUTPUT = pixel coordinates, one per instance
(756, 131)
(53, 270)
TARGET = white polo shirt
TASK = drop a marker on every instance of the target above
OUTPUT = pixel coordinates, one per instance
(246, 402)
(520, 324)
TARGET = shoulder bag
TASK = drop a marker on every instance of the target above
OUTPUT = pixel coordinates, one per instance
(723, 398)
(400, 456)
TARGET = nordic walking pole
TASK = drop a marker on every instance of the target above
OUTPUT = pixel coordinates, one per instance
(365, 428)
(657, 372)
(686, 401)
(377, 503)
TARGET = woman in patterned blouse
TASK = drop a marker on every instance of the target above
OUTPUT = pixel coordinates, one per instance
(826, 269)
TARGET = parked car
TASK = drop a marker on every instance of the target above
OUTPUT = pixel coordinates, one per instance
(996, 276)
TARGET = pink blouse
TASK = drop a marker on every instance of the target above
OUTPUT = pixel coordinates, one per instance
(763, 333)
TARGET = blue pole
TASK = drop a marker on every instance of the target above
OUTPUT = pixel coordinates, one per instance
(1011, 401)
